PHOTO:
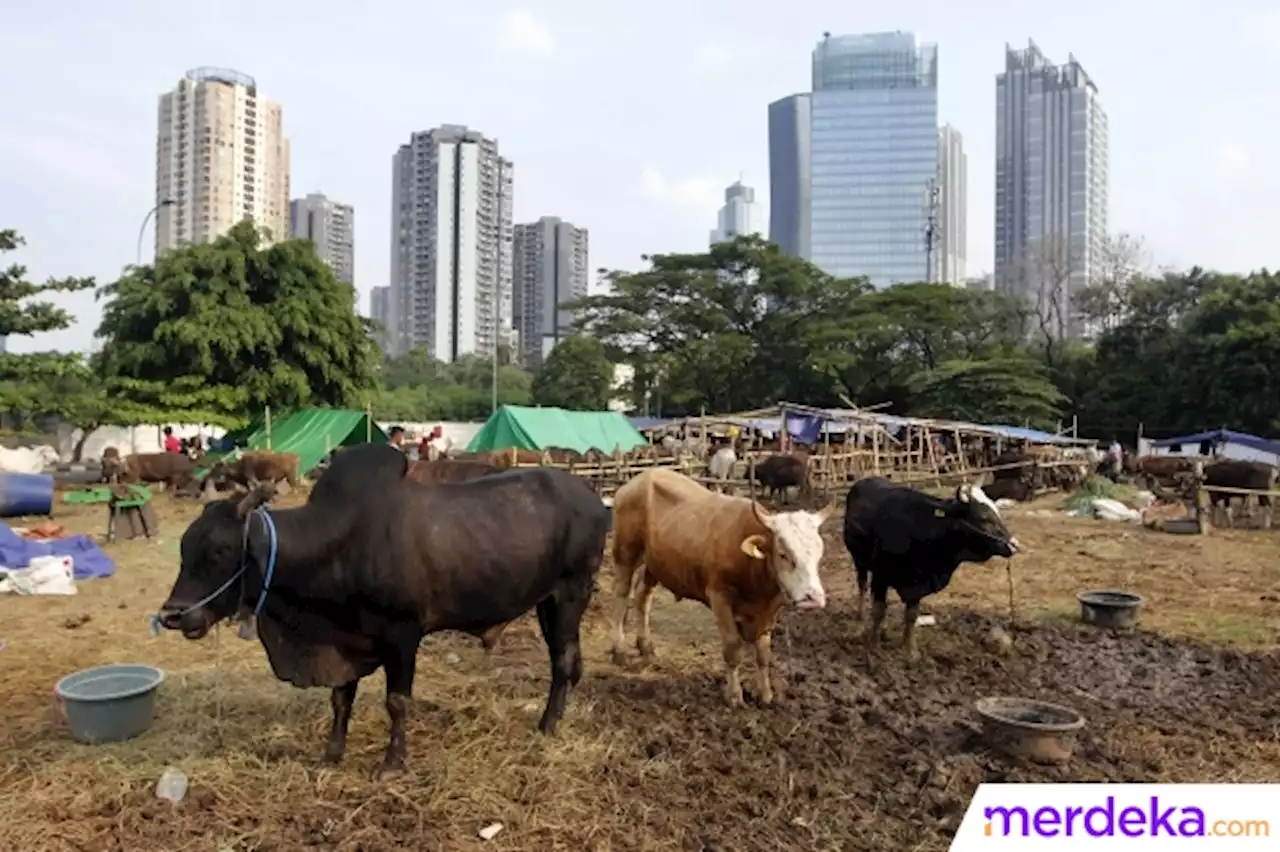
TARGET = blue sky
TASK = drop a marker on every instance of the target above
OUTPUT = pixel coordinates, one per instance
(628, 119)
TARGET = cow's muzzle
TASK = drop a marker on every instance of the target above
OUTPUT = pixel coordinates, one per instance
(815, 599)
(193, 623)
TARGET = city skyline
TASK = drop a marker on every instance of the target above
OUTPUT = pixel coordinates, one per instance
(330, 225)
(740, 215)
(79, 179)
(551, 266)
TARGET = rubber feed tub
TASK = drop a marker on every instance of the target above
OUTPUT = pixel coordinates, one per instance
(1023, 727)
(109, 703)
(1109, 609)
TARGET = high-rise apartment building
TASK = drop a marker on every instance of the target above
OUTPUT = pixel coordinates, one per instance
(221, 157)
(380, 312)
(331, 226)
(451, 243)
(1051, 182)
(739, 216)
(551, 268)
(953, 201)
(872, 155)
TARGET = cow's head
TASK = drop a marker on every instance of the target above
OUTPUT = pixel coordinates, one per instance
(981, 529)
(792, 548)
(212, 552)
(113, 465)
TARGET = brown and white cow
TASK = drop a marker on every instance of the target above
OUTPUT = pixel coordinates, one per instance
(725, 552)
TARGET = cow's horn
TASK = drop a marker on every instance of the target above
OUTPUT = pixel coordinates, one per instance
(259, 496)
(761, 515)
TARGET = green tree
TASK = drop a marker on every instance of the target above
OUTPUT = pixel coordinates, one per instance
(721, 329)
(577, 375)
(29, 384)
(417, 387)
(214, 331)
(1004, 389)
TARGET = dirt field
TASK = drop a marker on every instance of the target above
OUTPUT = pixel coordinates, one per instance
(650, 758)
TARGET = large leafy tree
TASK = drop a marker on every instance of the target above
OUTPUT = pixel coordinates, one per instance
(1003, 389)
(577, 375)
(40, 383)
(721, 329)
(215, 331)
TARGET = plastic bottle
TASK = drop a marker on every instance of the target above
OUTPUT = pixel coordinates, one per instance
(172, 785)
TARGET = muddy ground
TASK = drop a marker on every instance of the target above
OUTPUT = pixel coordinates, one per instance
(648, 757)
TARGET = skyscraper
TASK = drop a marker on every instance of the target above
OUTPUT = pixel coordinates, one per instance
(953, 177)
(331, 226)
(739, 216)
(451, 243)
(851, 191)
(1051, 181)
(551, 268)
(221, 156)
(790, 175)
(380, 312)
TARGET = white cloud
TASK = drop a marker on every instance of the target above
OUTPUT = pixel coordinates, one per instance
(699, 195)
(524, 33)
(1263, 30)
(712, 56)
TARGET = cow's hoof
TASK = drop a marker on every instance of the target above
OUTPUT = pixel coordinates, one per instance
(388, 770)
(619, 658)
(329, 759)
(646, 650)
(734, 698)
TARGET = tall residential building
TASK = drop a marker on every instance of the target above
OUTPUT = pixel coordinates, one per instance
(790, 176)
(872, 153)
(380, 312)
(953, 202)
(221, 156)
(331, 226)
(1051, 180)
(451, 243)
(739, 216)
(550, 268)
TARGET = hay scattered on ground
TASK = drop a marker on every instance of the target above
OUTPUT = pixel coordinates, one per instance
(649, 757)
(1095, 486)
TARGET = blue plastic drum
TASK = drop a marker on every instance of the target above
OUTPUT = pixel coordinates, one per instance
(25, 494)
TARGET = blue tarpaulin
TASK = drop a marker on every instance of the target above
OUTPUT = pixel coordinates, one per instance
(805, 428)
(1035, 435)
(642, 423)
(1224, 436)
(88, 560)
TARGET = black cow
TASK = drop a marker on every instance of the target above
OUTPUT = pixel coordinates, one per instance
(911, 542)
(1237, 473)
(373, 562)
(780, 472)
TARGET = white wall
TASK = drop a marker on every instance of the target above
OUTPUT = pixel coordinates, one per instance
(131, 439)
(460, 434)
(1229, 451)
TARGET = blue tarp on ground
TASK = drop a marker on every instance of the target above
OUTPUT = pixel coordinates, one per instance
(1224, 436)
(642, 423)
(88, 561)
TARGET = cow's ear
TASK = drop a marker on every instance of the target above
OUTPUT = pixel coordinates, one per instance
(964, 492)
(753, 546)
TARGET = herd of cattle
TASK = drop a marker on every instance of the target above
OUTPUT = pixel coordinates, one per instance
(377, 558)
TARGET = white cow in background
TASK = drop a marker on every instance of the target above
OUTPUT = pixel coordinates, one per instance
(721, 465)
(28, 459)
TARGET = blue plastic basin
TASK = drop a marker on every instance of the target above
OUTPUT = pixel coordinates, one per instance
(110, 703)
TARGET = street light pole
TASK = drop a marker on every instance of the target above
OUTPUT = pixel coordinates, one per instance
(168, 202)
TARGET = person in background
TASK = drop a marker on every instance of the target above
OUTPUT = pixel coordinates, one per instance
(172, 444)
(424, 448)
(395, 437)
(1115, 457)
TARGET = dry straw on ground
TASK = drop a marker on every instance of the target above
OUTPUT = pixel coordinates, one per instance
(650, 758)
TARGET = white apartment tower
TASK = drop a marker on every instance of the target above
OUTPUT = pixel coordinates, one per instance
(451, 244)
(550, 268)
(331, 226)
(1051, 180)
(739, 216)
(953, 201)
(221, 157)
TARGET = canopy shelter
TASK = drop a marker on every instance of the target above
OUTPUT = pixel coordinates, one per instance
(311, 433)
(1221, 437)
(527, 428)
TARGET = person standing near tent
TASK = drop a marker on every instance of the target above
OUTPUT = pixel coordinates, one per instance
(395, 437)
(1115, 459)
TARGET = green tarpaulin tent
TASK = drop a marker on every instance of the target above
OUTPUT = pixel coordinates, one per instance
(542, 428)
(313, 432)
